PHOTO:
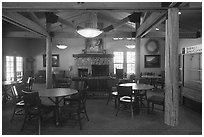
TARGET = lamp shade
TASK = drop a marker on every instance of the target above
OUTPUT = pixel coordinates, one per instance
(89, 32)
(61, 46)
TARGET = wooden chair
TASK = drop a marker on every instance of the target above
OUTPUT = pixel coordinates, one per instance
(155, 99)
(18, 102)
(142, 95)
(112, 90)
(119, 73)
(79, 86)
(76, 106)
(29, 83)
(34, 108)
(126, 97)
(60, 82)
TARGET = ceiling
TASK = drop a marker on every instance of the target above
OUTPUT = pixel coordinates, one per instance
(116, 19)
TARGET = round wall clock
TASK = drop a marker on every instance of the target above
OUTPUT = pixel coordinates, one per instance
(152, 46)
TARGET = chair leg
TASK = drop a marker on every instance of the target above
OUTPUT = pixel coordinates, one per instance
(39, 125)
(147, 106)
(86, 113)
(64, 101)
(79, 119)
(131, 107)
(24, 121)
(14, 110)
(109, 97)
(118, 107)
(152, 106)
(115, 102)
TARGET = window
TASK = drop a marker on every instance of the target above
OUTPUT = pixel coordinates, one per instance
(130, 62)
(10, 68)
(14, 68)
(19, 68)
(124, 60)
(118, 60)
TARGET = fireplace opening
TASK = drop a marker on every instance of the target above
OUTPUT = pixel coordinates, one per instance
(83, 72)
(100, 70)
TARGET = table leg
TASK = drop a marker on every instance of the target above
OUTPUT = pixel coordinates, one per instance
(57, 111)
(137, 105)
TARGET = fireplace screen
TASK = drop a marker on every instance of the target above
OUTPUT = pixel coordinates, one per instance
(100, 70)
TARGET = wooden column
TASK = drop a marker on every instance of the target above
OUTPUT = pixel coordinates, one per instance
(137, 54)
(172, 68)
(48, 59)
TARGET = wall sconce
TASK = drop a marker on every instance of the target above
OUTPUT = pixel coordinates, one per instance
(130, 46)
(61, 46)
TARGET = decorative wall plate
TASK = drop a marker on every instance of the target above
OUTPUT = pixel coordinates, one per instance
(152, 46)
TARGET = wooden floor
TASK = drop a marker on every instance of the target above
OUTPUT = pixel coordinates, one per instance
(104, 122)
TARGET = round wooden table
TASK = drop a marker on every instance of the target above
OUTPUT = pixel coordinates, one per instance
(151, 76)
(138, 87)
(57, 93)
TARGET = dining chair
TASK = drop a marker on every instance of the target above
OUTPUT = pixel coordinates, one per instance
(112, 90)
(155, 99)
(76, 107)
(60, 82)
(142, 94)
(33, 108)
(29, 83)
(125, 97)
(79, 86)
(142, 97)
(17, 99)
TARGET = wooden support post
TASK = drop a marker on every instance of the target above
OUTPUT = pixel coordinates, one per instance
(171, 68)
(137, 54)
(48, 59)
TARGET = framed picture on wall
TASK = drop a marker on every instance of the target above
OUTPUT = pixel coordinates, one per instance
(55, 60)
(152, 61)
(94, 45)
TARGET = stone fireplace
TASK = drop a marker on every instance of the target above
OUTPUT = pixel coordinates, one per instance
(95, 64)
(93, 59)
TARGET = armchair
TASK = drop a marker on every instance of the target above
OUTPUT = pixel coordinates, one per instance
(60, 80)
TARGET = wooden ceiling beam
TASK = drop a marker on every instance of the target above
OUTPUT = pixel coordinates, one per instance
(182, 35)
(36, 20)
(67, 23)
(64, 6)
(63, 21)
(22, 34)
(151, 21)
(134, 17)
(23, 22)
(103, 35)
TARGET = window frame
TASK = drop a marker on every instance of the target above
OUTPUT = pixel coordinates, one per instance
(120, 63)
(125, 62)
(17, 67)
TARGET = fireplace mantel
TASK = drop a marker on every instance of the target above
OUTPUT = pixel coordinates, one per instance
(92, 55)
